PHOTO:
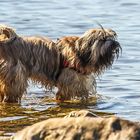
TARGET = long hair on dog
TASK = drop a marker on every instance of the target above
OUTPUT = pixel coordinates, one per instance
(69, 64)
(92, 53)
(22, 58)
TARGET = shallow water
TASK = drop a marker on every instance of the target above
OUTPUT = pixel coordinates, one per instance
(118, 88)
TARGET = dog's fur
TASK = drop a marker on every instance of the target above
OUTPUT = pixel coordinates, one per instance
(67, 64)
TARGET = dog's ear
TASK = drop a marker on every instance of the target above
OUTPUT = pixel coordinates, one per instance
(7, 34)
(85, 42)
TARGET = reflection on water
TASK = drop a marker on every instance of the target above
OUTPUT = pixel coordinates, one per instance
(119, 86)
(14, 117)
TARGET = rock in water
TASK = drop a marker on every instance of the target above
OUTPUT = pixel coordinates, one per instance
(81, 128)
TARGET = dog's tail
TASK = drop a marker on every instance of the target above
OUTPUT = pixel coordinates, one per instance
(7, 34)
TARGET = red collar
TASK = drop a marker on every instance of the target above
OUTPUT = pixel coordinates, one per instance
(65, 63)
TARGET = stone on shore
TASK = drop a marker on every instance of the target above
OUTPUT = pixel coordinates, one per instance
(81, 128)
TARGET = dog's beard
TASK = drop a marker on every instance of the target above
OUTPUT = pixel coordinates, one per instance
(104, 55)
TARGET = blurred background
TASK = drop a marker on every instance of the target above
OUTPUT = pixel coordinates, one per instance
(118, 89)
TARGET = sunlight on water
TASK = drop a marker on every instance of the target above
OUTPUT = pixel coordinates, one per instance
(118, 89)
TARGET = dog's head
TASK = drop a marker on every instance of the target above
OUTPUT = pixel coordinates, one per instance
(98, 48)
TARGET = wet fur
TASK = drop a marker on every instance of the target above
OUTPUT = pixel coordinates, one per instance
(68, 64)
(92, 53)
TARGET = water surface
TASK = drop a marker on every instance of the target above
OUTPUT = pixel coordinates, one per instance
(118, 88)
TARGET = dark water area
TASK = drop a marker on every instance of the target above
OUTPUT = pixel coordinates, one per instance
(118, 88)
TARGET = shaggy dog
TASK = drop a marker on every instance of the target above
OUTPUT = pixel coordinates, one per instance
(69, 64)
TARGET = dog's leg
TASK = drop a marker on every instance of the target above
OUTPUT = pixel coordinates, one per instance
(72, 84)
(13, 83)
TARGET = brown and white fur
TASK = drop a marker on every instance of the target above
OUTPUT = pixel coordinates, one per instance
(67, 64)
